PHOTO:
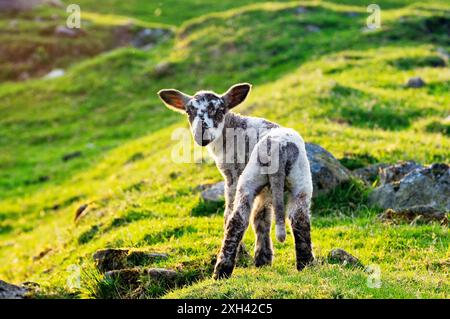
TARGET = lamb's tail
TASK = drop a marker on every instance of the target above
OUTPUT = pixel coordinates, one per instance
(277, 188)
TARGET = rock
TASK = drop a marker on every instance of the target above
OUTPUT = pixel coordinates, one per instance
(18, 5)
(147, 38)
(416, 213)
(352, 14)
(57, 73)
(71, 156)
(443, 53)
(340, 256)
(162, 69)
(369, 173)
(9, 291)
(63, 31)
(215, 193)
(327, 171)
(300, 10)
(110, 259)
(312, 28)
(394, 173)
(415, 82)
(117, 258)
(428, 186)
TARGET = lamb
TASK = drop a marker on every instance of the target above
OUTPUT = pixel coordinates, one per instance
(260, 161)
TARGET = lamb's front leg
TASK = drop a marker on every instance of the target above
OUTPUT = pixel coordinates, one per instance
(230, 192)
(237, 224)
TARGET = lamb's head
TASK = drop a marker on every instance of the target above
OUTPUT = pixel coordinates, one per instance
(206, 110)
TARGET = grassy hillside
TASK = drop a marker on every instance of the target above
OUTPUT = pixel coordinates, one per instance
(341, 87)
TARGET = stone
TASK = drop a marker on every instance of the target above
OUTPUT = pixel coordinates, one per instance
(147, 38)
(301, 10)
(71, 156)
(415, 83)
(416, 213)
(327, 171)
(427, 186)
(215, 193)
(9, 291)
(63, 31)
(162, 69)
(340, 256)
(118, 258)
(312, 28)
(394, 173)
(110, 259)
(54, 74)
(18, 5)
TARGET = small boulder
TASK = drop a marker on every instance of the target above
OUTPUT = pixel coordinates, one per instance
(416, 213)
(214, 193)
(394, 173)
(57, 73)
(110, 259)
(427, 186)
(147, 38)
(340, 256)
(65, 32)
(9, 291)
(327, 171)
(415, 83)
(312, 28)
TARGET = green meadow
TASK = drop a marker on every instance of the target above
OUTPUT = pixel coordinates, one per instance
(338, 84)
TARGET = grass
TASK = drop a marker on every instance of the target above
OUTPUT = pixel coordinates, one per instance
(341, 87)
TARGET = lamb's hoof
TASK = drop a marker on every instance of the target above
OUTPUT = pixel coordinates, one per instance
(301, 264)
(222, 270)
(262, 259)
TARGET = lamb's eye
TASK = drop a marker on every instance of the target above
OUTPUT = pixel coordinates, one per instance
(211, 112)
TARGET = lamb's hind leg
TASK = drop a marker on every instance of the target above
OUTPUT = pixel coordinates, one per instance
(250, 183)
(262, 216)
(298, 207)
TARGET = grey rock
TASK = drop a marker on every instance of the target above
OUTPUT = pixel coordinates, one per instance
(428, 186)
(63, 31)
(312, 28)
(340, 256)
(415, 82)
(9, 291)
(18, 5)
(215, 193)
(54, 74)
(327, 171)
(394, 173)
(147, 38)
(301, 10)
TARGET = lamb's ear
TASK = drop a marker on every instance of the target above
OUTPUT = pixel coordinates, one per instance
(174, 99)
(236, 94)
